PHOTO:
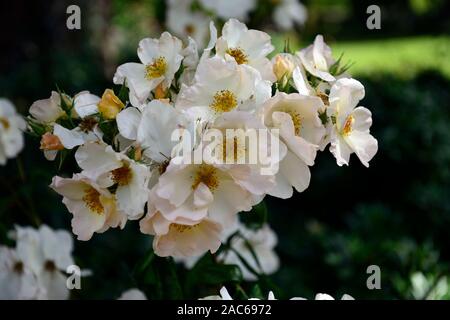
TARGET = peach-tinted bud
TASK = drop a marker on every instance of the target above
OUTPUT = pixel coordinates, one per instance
(283, 66)
(51, 142)
(160, 93)
(110, 105)
(138, 153)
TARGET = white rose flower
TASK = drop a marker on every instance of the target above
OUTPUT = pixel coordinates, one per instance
(185, 23)
(289, 13)
(86, 104)
(224, 295)
(100, 162)
(262, 242)
(180, 237)
(132, 294)
(16, 280)
(48, 254)
(151, 130)
(48, 110)
(92, 205)
(301, 130)
(238, 9)
(160, 60)
(36, 268)
(190, 62)
(247, 142)
(63, 138)
(317, 59)
(222, 86)
(154, 133)
(245, 46)
(11, 131)
(195, 191)
(351, 124)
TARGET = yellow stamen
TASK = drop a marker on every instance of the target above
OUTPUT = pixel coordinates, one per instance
(224, 101)
(123, 175)
(5, 123)
(156, 69)
(348, 125)
(323, 97)
(88, 124)
(92, 200)
(182, 227)
(296, 120)
(238, 147)
(238, 54)
(207, 175)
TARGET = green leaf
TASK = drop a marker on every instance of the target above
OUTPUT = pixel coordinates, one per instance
(37, 128)
(257, 217)
(158, 277)
(323, 117)
(208, 272)
(123, 94)
(170, 279)
(256, 292)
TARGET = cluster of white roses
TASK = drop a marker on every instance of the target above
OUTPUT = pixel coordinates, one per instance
(36, 267)
(128, 152)
(190, 18)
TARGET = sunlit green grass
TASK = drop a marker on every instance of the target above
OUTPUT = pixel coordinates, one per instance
(402, 57)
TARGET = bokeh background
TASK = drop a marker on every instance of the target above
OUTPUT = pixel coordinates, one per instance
(395, 214)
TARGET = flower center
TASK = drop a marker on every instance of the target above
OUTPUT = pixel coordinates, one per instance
(156, 69)
(181, 227)
(296, 120)
(92, 200)
(189, 29)
(238, 54)
(234, 149)
(18, 267)
(49, 266)
(207, 175)
(348, 125)
(5, 123)
(87, 124)
(122, 176)
(224, 101)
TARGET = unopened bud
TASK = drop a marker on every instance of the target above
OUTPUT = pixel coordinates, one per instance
(51, 142)
(110, 105)
(283, 66)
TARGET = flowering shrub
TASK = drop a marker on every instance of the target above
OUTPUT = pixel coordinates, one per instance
(191, 141)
